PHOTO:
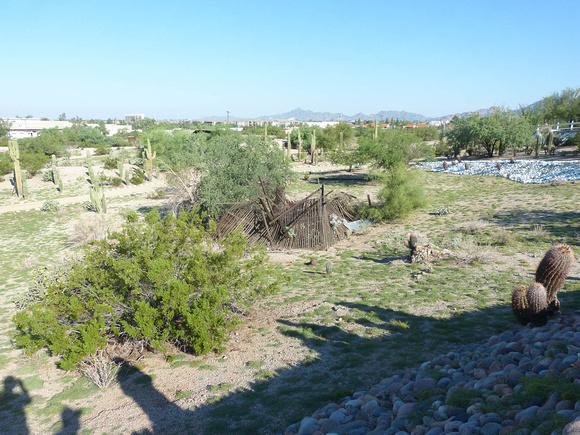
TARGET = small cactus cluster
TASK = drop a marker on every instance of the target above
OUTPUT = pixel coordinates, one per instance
(538, 301)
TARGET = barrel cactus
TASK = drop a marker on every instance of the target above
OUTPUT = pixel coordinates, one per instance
(444, 165)
(520, 304)
(329, 267)
(411, 242)
(552, 271)
(536, 298)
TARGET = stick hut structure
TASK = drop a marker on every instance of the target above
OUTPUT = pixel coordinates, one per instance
(315, 222)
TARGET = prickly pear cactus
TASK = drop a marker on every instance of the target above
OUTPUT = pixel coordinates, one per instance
(520, 304)
(536, 298)
(552, 271)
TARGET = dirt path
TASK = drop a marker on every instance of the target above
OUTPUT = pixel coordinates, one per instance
(109, 193)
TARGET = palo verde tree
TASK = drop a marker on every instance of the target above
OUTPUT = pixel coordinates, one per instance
(160, 281)
(401, 192)
(232, 166)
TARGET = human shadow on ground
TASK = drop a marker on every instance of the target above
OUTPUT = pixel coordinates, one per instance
(359, 345)
(165, 415)
(70, 419)
(13, 399)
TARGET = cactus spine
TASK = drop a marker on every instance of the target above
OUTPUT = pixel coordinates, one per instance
(149, 155)
(329, 267)
(552, 271)
(15, 156)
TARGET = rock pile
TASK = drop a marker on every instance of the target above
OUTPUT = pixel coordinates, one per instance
(525, 381)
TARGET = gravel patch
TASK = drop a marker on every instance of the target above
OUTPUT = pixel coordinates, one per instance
(522, 171)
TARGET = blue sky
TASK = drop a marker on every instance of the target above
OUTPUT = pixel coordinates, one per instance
(190, 59)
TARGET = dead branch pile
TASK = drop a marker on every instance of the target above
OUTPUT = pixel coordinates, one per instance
(315, 222)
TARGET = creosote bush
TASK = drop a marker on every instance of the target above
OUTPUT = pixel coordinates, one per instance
(158, 281)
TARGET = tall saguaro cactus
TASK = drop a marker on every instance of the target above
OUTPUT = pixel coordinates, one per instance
(97, 194)
(299, 145)
(149, 155)
(376, 135)
(313, 148)
(289, 145)
(15, 156)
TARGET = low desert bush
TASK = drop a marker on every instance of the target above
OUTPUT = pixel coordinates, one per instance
(400, 195)
(160, 281)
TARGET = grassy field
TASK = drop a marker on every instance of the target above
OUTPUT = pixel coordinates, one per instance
(375, 314)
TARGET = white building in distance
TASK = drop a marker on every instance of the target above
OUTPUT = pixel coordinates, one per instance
(134, 117)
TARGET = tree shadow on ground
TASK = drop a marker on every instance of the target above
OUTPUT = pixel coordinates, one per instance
(557, 223)
(350, 352)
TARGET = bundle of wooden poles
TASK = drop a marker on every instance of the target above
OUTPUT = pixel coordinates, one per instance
(315, 222)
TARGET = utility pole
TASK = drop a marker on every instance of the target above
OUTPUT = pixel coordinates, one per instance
(228, 112)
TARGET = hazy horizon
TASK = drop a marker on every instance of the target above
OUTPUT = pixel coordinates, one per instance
(190, 60)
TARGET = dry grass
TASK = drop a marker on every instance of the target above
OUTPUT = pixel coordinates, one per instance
(471, 252)
(100, 370)
(473, 226)
(93, 226)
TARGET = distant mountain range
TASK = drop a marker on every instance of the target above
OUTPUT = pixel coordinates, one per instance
(308, 115)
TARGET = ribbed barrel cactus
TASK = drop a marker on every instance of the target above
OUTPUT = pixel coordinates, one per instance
(552, 271)
(520, 304)
(536, 298)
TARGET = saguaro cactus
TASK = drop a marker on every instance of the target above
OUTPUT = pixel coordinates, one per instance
(289, 146)
(15, 156)
(313, 148)
(376, 135)
(97, 195)
(299, 145)
(340, 140)
(149, 155)
(552, 271)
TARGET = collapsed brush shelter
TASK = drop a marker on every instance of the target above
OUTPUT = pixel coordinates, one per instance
(315, 222)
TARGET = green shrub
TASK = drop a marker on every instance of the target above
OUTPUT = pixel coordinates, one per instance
(33, 163)
(101, 150)
(111, 162)
(116, 181)
(50, 206)
(6, 165)
(138, 176)
(400, 195)
(47, 176)
(155, 282)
